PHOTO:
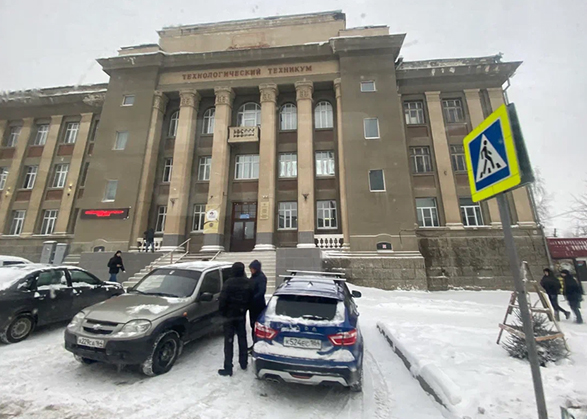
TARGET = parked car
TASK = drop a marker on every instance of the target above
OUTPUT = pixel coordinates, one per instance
(34, 295)
(149, 325)
(13, 260)
(309, 333)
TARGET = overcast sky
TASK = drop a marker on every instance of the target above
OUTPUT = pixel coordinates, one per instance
(55, 42)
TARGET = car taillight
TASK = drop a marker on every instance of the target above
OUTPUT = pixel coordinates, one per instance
(344, 338)
(264, 332)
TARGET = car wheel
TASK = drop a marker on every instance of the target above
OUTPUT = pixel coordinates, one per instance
(166, 350)
(19, 329)
(82, 360)
(358, 385)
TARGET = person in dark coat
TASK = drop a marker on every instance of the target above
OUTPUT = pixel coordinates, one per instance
(573, 293)
(552, 286)
(259, 286)
(235, 300)
(115, 265)
(149, 237)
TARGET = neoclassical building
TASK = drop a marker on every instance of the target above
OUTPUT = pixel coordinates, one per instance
(262, 134)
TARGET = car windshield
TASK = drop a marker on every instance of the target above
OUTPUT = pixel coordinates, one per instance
(169, 283)
(8, 277)
(306, 307)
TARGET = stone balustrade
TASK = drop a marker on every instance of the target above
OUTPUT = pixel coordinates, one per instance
(329, 241)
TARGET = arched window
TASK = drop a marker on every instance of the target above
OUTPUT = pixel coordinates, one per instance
(323, 115)
(249, 115)
(288, 117)
(173, 124)
(208, 126)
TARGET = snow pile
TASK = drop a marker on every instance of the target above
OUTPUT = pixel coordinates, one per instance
(151, 308)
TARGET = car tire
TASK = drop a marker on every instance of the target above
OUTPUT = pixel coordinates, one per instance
(166, 350)
(358, 385)
(19, 329)
(85, 361)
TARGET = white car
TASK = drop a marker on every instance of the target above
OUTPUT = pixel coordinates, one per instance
(13, 260)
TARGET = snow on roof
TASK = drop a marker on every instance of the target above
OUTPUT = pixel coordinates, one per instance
(450, 62)
(88, 89)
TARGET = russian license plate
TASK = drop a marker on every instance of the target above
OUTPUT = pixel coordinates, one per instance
(302, 343)
(92, 343)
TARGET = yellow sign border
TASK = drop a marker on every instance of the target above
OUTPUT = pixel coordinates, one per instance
(514, 179)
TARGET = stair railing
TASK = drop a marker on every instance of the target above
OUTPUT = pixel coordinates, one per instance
(217, 253)
(187, 247)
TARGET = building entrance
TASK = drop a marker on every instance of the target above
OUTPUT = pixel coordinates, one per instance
(244, 226)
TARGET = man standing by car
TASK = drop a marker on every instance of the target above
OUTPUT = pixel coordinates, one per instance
(235, 300)
(259, 286)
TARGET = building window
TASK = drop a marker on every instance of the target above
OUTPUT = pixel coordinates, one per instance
(60, 175)
(325, 163)
(49, 220)
(161, 215)
(288, 117)
(29, 177)
(3, 177)
(414, 112)
(288, 165)
(470, 212)
(421, 160)
(376, 181)
(71, 133)
(288, 216)
(172, 132)
(128, 100)
(204, 168)
(368, 86)
(427, 212)
(453, 110)
(93, 131)
(249, 115)
(167, 169)
(110, 191)
(13, 136)
(326, 215)
(199, 217)
(121, 139)
(17, 222)
(247, 166)
(41, 137)
(84, 176)
(371, 128)
(208, 126)
(323, 115)
(457, 155)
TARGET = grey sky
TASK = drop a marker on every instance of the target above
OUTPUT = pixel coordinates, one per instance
(52, 43)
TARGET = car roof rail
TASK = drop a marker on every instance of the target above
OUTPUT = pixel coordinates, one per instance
(339, 275)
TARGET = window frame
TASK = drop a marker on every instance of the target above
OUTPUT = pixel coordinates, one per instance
(84, 174)
(41, 135)
(49, 222)
(60, 175)
(244, 115)
(420, 115)
(250, 159)
(106, 190)
(365, 128)
(284, 164)
(3, 177)
(291, 122)
(477, 212)
(330, 210)
(199, 214)
(173, 124)
(71, 133)
(13, 134)
(124, 100)
(289, 211)
(210, 274)
(433, 215)
(451, 110)
(457, 154)
(382, 178)
(424, 158)
(30, 177)
(329, 163)
(204, 168)
(167, 170)
(19, 223)
(323, 115)
(120, 141)
(364, 82)
(161, 218)
(208, 121)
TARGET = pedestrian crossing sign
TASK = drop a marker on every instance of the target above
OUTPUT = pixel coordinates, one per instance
(490, 153)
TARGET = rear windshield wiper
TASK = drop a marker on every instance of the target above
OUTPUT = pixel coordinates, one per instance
(313, 317)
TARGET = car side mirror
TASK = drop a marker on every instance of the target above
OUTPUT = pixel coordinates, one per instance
(206, 296)
(356, 294)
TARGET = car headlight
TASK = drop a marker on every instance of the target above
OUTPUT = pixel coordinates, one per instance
(77, 321)
(133, 328)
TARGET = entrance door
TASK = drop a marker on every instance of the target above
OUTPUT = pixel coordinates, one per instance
(244, 225)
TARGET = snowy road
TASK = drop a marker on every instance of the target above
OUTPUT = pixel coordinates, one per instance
(40, 379)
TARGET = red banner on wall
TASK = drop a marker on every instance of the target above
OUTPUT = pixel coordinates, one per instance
(108, 214)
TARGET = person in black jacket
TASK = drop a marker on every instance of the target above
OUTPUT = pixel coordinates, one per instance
(235, 299)
(115, 265)
(149, 237)
(552, 286)
(259, 286)
(573, 294)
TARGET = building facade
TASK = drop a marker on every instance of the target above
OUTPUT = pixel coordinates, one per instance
(285, 132)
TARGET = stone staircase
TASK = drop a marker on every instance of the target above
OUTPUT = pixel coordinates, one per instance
(72, 259)
(267, 259)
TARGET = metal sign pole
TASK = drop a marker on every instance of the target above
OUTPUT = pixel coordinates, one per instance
(523, 303)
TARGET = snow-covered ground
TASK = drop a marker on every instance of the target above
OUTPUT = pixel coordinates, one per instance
(40, 379)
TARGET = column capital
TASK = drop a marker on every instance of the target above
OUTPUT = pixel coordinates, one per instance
(269, 92)
(432, 96)
(470, 91)
(494, 89)
(224, 95)
(56, 119)
(160, 101)
(304, 90)
(189, 98)
(337, 87)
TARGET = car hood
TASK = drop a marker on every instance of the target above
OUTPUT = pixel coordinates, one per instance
(127, 307)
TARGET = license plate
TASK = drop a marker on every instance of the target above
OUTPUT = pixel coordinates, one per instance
(302, 343)
(92, 343)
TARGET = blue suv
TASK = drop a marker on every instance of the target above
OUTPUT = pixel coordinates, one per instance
(309, 333)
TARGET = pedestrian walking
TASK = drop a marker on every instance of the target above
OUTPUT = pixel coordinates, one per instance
(552, 286)
(115, 265)
(149, 237)
(259, 286)
(574, 294)
(235, 300)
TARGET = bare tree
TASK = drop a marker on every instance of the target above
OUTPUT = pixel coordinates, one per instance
(579, 215)
(542, 198)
